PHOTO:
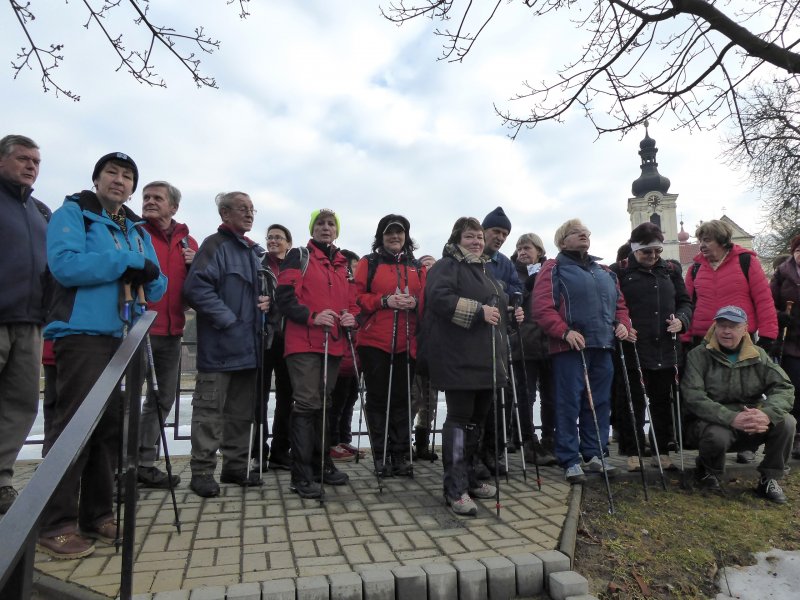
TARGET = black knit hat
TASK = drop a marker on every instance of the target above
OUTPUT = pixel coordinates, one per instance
(497, 218)
(119, 157)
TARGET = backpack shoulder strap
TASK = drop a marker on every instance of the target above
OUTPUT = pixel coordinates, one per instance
(304, 254)
(744, 263)
(372, 266)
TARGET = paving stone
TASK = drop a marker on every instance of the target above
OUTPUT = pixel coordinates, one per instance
(501, 577)
(244, 591)
(278, 589)
(378, 584)
(410, 583)
(172, 595)
(345, 586)
(313, 588)
(442, 581)
(530, 574)
(471, 579)
(563, 584)
(553, 561)
(216, 592)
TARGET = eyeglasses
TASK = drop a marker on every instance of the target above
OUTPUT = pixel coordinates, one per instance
(275, 238)
(651, 251)
(245, 211)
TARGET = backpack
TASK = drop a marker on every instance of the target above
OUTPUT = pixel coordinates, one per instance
(744, 263)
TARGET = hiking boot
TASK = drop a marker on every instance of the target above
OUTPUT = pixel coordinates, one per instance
(494, 464)
(633, 464)
(401, 467)
(484, 491)
(574, 474)
(480, 470)
(538, 454)
(595, 465)
(282, 461)
(239, 477)
(306, 489)
(65, 547)
(106, 532)
(153, 477)
(7, 496)
(333, 476)
(795, 450)
(464, 506)
(745, 457)
(707, 481)
(340, 454)
(383, 471)
(204, 485)
(666, 463)
(769, 489)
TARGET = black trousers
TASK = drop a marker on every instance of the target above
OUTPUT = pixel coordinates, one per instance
(659, 390)
(274, 362)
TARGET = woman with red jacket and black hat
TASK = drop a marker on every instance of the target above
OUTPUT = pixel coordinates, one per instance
(389, 283)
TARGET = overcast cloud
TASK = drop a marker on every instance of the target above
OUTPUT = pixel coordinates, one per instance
(326, 104)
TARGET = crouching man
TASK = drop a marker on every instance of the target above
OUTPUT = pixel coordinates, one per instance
(736, 396)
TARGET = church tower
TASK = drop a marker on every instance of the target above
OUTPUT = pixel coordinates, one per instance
(651, 200)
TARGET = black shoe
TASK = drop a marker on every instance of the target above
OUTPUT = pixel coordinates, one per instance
(536, 453)
(153, 477)
(239, 477)
(494, 465)
(745, 457)
(333, 476)
(481, 472)
(7, 496)
(796, 448)
(769, 489)
(401, 467)
(306, 489)
(383, 471)
(706, 480)
(204, 485)
(282, 461)
(423, 452)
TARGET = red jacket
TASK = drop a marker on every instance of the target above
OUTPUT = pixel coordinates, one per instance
(728, 285)
(300, 296)
(376, 321)
(171, 316)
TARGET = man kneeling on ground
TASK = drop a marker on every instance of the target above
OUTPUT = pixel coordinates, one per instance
(736, 396)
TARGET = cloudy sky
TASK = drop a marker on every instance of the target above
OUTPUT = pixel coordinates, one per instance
(326, 104)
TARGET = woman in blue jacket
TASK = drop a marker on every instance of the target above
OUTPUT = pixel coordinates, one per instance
(95, 247)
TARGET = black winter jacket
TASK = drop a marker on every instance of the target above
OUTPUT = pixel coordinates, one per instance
(455, 342)
(534, 339)
(652, 296)
(785, 286)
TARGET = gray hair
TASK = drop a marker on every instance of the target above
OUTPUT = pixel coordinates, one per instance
(534, 240)
(10, 141)
(225, 200)
(173, 193)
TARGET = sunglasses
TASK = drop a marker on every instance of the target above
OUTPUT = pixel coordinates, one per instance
(651, 251)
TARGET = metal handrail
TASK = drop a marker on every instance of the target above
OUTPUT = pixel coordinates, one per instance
(20, 526)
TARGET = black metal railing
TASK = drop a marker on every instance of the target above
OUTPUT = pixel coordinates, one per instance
(19, 527)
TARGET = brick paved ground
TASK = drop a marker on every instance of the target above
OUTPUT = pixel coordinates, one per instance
(270, 533)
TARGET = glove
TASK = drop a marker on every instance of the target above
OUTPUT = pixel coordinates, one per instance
(784, 320)
(766, 343)
(139, 277)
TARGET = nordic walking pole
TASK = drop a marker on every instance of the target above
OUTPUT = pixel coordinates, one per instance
(126, 315)
(151, 369)
(678, 423)
(597, 431)
(323, 449)
(360, 411)
(634, 425)
(349, 335)
(435, 415)
(408, 386)
(515, 405)
(517, 303)
(505, 438)
(649, 416)
(493, 329)
(388, 400)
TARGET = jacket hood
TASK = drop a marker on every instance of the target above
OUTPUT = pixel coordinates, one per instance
(748, 350)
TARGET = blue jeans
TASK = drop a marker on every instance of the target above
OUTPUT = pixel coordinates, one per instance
(576, 435)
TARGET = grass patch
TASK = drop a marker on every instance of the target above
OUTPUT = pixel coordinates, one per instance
(673, 545)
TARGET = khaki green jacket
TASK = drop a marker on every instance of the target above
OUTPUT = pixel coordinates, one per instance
(715, 390)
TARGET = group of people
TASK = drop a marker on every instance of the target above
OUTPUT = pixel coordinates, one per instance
(473, 324)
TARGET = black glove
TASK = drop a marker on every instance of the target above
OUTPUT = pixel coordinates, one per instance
(139, 277)
(766, 343)
(784, 320)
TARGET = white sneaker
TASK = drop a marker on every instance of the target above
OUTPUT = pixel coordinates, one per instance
(463, 506)
(595, 465)
(484, 490)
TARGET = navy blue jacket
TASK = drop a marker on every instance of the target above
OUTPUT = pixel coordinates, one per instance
(503, 270)
(222, 286)
(23, 229)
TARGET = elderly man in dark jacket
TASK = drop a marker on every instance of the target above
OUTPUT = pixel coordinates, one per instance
(223, 287)
(22, 228)
(736, 396)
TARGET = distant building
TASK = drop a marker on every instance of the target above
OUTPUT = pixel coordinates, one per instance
(651, 201)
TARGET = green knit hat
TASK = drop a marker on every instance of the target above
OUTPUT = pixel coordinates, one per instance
(324, 211)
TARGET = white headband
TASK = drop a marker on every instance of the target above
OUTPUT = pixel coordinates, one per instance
(637, 246)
